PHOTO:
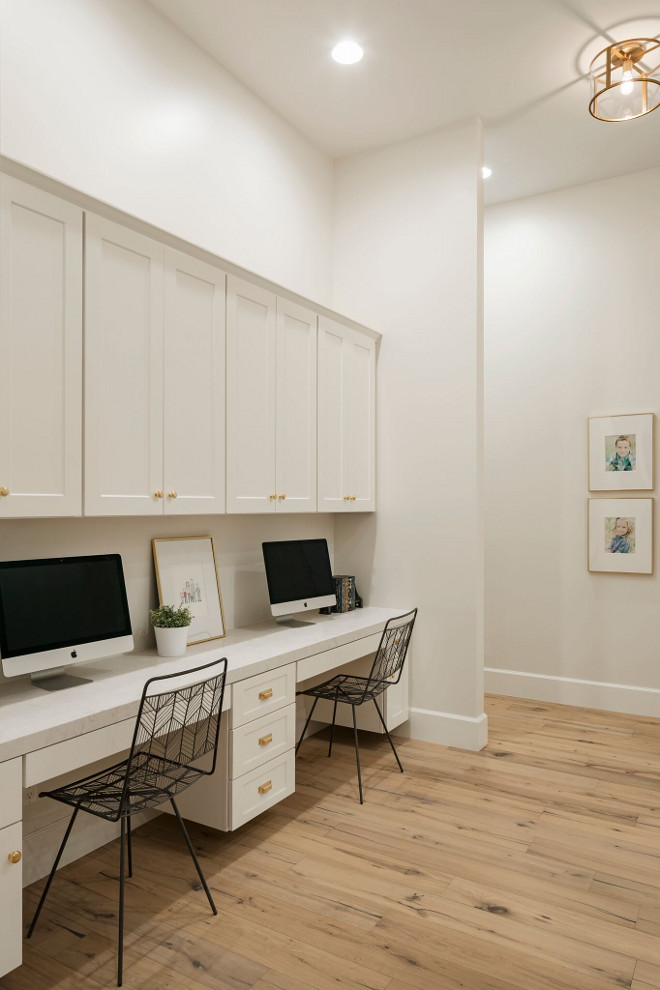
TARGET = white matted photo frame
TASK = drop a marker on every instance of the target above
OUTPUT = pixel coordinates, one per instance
(620, 535)
(621, 452)
(187, 574)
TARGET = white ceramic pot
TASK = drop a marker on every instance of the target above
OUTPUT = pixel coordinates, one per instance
(172, 642)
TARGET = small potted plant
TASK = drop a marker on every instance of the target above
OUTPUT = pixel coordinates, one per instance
(171, 628)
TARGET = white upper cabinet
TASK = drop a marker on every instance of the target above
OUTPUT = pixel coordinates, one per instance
(251, 365)
(154, 359)
(40, 353)
(295, 470)
(194, 393)
(123, 371)
(271, 402)
(346, 419)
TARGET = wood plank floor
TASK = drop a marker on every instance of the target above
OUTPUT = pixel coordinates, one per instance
(533, 865)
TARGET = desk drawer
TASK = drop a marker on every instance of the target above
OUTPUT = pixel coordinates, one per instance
(11, 807)
(260, 695)
(262, 788)
(71, 754)
(320, 663)
(262, 740)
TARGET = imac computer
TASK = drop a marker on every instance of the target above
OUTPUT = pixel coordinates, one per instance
(299, 578)
(60, 611)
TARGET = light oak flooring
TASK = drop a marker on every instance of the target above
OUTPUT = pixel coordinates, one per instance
(533, 865)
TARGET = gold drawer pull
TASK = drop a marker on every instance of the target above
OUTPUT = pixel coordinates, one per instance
(264, 788)
(158, 494)
(282, 495)
(14, 857)
(266, 739)
(272, 497)
(4, 491)
(172, 494)
(347, 498)
(265, 695)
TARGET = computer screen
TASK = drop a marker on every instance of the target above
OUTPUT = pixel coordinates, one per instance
(62, 610)
(299, 575)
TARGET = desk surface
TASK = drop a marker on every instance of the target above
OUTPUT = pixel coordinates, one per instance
(31, 718)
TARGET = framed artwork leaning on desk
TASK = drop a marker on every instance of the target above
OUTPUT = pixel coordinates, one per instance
(187, 574)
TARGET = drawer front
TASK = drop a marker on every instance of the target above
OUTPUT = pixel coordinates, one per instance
(256, 791)
(260, 695)
(262, 740)
(11, 894)
(65, 756)
(320, 663)
(11, 805)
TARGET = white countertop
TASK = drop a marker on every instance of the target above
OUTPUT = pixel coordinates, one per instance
(31, 718)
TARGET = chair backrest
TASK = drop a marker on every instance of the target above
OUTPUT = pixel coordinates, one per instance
(392, 649)
(179, 716)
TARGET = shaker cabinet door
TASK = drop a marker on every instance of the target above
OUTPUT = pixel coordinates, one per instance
(40, 353)
(295, 445)
(123, 371)
(251, 407)
(346, 419)
(194, 387)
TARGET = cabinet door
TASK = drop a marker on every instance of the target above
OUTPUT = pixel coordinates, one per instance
(40, 353)
(251, 369)
(123, 371)
(346, 419)
(359, 426)
(296, 408)
(11, 894)
(194, 386)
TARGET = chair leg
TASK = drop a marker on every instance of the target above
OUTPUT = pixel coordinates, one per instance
(309, 718)
(357, 753)
(52, 872)
(192, 853)
(130, 845)
(120, 936)
(380, 715)
(332, 727)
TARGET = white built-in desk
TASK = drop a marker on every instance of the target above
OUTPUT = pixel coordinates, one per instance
(45, 734)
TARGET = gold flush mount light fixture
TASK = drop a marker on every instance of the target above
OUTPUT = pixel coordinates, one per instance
(625, 80)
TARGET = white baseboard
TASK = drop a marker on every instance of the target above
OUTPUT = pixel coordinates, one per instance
(573, 691)
(447, 729)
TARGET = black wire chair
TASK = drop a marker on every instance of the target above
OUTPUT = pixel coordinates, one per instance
(175, 726)
(355, 691)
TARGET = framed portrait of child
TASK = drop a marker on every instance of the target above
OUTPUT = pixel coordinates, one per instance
(621, 535)
(621, 453)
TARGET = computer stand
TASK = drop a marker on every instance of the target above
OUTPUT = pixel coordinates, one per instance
(291, 623)
(56, 680)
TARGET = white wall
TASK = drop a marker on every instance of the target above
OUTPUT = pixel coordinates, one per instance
(109, 98)
(572, 331)
(407, 260)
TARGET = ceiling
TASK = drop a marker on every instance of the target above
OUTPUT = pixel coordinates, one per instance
(518, 64)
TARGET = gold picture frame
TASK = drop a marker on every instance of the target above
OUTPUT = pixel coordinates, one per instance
(628, 549)
(187, 574)
(635, 468)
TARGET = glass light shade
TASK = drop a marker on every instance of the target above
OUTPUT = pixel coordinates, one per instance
(625, 80)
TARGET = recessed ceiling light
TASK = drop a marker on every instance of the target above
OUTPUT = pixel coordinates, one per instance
(486, 172)
(347, 52)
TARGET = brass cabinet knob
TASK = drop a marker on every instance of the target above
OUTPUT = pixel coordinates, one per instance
(273, 496)
(14, 857)
(158, 494)
(265, 695)
(353, 498)
(4, 491)
(347, 498)
(266, 739)
(171, 494)
(281, 496)
(264, 788)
